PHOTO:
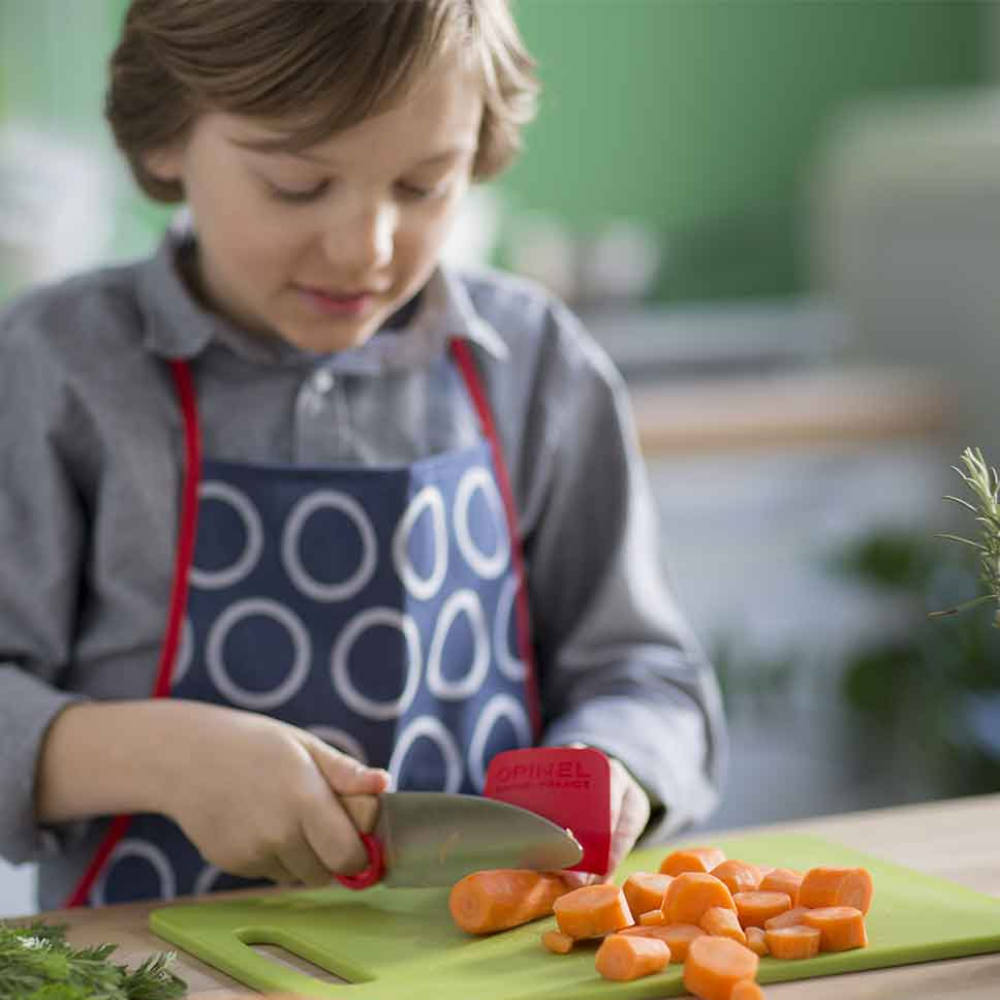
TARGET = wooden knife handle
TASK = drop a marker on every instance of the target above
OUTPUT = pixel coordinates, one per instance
(363, 810)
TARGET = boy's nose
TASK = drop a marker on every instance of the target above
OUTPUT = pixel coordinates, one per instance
(364, 243)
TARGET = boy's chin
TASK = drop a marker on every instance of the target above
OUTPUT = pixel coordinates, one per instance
(329, 338)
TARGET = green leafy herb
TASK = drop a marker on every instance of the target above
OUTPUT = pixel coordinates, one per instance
(36, 963)
(983, 484)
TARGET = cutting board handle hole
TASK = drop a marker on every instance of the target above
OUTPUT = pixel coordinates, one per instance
(289, 960)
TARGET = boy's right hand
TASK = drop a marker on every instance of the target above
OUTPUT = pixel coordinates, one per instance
(258, 797)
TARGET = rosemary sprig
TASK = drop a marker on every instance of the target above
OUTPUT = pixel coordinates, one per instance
(36, 963)
(984, 485)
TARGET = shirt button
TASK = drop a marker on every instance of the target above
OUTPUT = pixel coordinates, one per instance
(322, 382)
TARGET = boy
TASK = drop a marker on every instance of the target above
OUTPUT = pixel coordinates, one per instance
(291, 511)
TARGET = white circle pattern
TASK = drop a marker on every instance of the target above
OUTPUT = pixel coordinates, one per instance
(206, 879)
(423, 589)
(289, 687)
(244, 565)
(301, 513)
(433, 729)
(501, 706)
(461, 602)
(489, 567)
(513, 668)
(134, 847)
(340, 740)
(340, 669)
(184, 653)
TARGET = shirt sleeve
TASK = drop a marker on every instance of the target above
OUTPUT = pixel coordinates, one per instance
(619, 668)
(41, 544)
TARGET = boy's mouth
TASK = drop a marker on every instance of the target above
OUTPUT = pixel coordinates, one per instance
(338, 303)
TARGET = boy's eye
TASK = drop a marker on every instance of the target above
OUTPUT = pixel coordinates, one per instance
(418, 192)
(298, 197)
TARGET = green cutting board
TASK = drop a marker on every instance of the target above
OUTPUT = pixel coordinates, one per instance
(401, 944)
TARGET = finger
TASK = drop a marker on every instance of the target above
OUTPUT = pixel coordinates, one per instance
(299, 858)
(333, 839)
(346, 775)
(577, 879)
(630, 813)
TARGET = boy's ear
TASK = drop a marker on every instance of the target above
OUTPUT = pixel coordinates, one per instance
(164, 164)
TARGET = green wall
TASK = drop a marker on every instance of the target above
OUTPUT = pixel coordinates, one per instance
(700, 117)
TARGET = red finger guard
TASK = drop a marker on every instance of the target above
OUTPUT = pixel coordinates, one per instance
(569, 786)
(376, 865)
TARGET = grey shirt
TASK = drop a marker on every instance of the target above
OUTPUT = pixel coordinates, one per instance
(91, 463)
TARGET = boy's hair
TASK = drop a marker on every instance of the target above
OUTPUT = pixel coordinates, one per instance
(311, 67)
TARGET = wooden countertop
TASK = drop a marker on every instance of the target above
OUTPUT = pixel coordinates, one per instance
(811, 406)
(957, 839)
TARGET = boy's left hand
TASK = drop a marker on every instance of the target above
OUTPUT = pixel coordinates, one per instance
(630, 810)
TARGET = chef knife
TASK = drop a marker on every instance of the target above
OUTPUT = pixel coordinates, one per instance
(436, 838)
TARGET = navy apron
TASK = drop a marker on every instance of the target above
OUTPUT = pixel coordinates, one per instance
(383, 609)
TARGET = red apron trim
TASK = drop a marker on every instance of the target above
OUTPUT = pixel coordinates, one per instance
(463, 357)
(178, 601)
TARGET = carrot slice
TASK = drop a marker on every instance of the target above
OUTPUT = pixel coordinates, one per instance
(746, 989)
(754, 908)
(592, 911)
(498, 899)
(644, 891)
(785, 880)
(677, 936)
(793, 942)
(653, 918)
(841, 927)
(756, 941)
(557, 942)
(790, 918)
(692, 893)
(822, 887)
(738, 876)
(721, 922)
(692, 859)
(626, 958)
(714, 965)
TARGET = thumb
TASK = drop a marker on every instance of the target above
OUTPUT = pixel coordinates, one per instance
(344, 774)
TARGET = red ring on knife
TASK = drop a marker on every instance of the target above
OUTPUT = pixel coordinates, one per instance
(376, 865)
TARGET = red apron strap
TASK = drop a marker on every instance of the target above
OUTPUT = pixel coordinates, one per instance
(466, 364)
(178, 601)
(188, 526)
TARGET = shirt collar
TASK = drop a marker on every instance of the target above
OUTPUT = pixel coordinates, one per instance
(178, 327)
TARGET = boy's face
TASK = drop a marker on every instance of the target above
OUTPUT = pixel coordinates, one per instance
(320, 248)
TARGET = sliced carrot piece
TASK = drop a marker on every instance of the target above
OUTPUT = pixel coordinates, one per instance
(498, 899)
(721, 922)
(691, 893)
(793, 942)
(557, 942)
(841, 927)
(692, 859)
(677, 936)
(653, 918)
(822, 887)
(592, 911)
(738, 876)
(644, 891)
(746, 989)
(790, 918)
(785, 880)
(714, 965)
(624, 958)
(754, 908)
(756, 941)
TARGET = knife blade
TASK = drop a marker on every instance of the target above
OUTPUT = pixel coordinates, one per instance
(436, 838)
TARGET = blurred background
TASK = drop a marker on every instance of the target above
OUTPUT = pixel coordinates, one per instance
(782, 220)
